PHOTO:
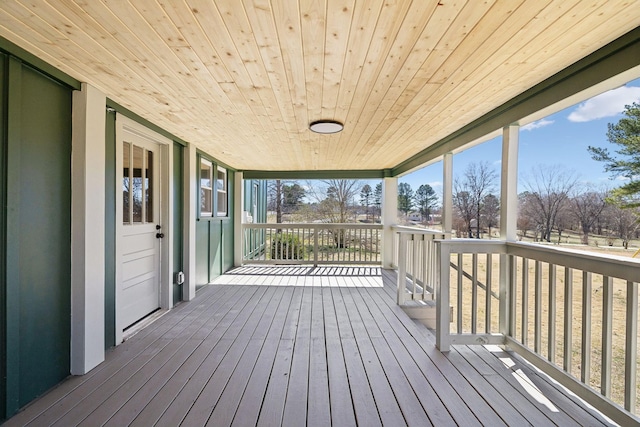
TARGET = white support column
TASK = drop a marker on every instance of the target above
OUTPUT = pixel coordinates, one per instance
(447, 193)
(87, 229)
(508, 223)
(238, 205)
(389, 218)
(509, 183)
(190, 214)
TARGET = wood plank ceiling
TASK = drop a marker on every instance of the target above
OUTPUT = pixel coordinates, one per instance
(243, 79)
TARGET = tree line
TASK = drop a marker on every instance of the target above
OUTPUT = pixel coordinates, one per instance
(553, 202)
(343, 200)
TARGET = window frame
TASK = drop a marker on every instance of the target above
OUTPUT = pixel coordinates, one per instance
(208, 164)
(222, 191)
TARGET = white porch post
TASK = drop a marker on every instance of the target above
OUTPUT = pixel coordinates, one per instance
(389, 218)
(238, 203)
(190, 213)
(447, 193)
(87, 229)
(509, 183)
(508, 222)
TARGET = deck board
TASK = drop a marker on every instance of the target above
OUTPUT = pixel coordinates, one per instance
(387, 405)
(301, 348)
(295, 408)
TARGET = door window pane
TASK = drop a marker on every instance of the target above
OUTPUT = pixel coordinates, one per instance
(149, 187)
(126, 182)
(137, 183)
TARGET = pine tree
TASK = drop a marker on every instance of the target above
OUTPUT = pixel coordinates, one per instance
(626, 135)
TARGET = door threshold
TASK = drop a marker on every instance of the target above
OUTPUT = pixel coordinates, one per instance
(143, 323)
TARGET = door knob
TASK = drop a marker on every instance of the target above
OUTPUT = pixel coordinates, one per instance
(159, 235)
(158, 227)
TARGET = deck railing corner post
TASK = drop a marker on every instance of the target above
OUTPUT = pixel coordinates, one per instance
(507, 283)
(441, 288)
(315, 246)
(402, 267)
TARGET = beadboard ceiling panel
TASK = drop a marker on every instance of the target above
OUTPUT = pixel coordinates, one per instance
(242, 79)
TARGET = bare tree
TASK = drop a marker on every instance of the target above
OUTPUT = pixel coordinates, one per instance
(336, 201)
(623, 223)
(524, 222)
(336, 198)
(463, 207)
(490, 212)
(275, 192)
(563, 220)
(548, 189)
(479, 182)
(587, 206)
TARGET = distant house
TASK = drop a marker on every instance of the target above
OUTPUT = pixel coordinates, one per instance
(414, 216)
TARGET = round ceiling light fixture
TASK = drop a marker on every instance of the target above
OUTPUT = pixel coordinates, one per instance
(326, 126)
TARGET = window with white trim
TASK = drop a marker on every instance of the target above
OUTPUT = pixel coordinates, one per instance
(221, 189)
(206, 188)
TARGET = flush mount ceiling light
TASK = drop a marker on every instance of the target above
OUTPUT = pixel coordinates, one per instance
(326, 126)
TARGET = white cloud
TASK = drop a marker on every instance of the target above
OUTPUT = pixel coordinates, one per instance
(537, 124)
(607, 104)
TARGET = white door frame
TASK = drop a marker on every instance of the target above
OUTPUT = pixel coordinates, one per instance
(124, 124)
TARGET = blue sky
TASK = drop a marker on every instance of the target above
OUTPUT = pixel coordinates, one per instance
(559, 139)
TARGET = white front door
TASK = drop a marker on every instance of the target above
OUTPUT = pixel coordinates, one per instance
(141, 230)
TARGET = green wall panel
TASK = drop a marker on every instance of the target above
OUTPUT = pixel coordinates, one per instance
(215, 249)
(39, 234)
(227, 248)
(3, 283)
(214, 241)
(202, 252)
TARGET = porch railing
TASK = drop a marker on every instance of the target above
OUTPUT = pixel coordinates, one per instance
(316, 243)
(573, 314)
(414, 257)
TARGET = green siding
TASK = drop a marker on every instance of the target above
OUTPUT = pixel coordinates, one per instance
(3, 288)
(202, 251)
(110, 233)
(227, 227)
(38, 269)
(214, 240)
(255, 244)
(215, 249)
(178, 200)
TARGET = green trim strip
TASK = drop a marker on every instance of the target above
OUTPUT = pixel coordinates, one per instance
(608, 61)
(324, 174)
(42, 66)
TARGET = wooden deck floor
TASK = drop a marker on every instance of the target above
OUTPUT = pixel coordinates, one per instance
(302, 348)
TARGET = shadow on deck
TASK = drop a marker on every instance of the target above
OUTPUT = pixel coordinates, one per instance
(298, 346)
